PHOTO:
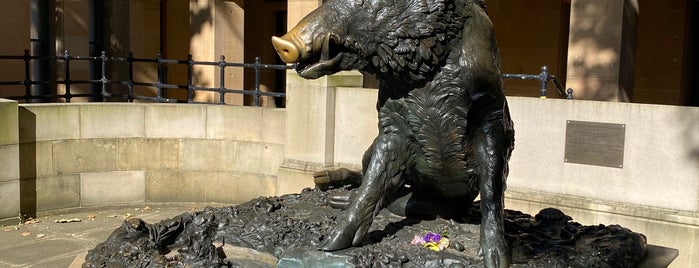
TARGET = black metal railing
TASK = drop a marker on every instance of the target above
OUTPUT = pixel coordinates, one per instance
(104, 93)
(544, 77)
(160, 85)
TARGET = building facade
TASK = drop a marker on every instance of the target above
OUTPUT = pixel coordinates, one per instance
(612, 50)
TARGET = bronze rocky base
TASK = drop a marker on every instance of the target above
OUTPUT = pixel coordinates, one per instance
(291, 227)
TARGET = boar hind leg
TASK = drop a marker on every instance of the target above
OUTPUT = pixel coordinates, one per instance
(383, 176)
(492, 152)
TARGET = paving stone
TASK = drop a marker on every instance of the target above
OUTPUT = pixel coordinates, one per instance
(29, 253)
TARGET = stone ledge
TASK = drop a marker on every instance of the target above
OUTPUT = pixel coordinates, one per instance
(49, 121)
(302, 165)
(594, 205)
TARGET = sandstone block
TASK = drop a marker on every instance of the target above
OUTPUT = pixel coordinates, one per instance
(61, 191)
(104, 188)
(75, 156)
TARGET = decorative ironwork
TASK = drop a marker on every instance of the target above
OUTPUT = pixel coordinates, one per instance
(544, 77)
(161, 85)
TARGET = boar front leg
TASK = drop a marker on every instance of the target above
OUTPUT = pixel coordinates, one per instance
(383, 176)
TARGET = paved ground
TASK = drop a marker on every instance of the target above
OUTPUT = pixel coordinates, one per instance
(47, 243)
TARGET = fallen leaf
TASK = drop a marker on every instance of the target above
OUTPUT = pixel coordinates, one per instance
(112, 216)
(40, 235)
(26, 233)
(147, 208)
(68, 220)
(128, 215)
(91, 217)
(30, 220)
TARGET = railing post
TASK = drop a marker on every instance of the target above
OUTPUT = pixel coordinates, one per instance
(162, 76)
(190, 83)
(159, 83)
(543, 79)
(66, 82)
(104, 80)
(222, 79)
(27, 77)
(569, 94)
(257, 82)
(130, 82)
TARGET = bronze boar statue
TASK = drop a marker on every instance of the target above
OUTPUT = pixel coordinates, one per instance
(445, 134)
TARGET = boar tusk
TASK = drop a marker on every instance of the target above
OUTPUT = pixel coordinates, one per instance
(287, 51)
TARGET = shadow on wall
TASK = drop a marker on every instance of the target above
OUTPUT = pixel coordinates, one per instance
(27, 162)
(691, 134)
(597, 54)
(201, 17)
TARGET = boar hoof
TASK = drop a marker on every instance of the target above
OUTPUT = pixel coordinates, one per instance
(337, 178)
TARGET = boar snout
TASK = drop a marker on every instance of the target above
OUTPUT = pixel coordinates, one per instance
(287, 50)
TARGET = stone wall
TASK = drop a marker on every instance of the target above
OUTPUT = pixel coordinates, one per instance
(76, 155)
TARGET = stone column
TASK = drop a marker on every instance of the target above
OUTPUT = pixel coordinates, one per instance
(310, 117)
(310, 127)
(215, 29)
(229, 34)
(297, 9)
(602, 43)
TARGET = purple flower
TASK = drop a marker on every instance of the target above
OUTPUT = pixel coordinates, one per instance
(432, 237)
(430, 240)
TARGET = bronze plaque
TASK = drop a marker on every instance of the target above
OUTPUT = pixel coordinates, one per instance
(593, 143)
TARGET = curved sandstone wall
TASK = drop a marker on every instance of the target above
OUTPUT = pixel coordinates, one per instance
(92, 154)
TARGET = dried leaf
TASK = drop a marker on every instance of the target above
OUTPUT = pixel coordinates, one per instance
(112, 216)
(91, 217)
(40, 235)
(31, 221)
(147, 208)
(128, 215)
(26, 233)
(68, 220)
